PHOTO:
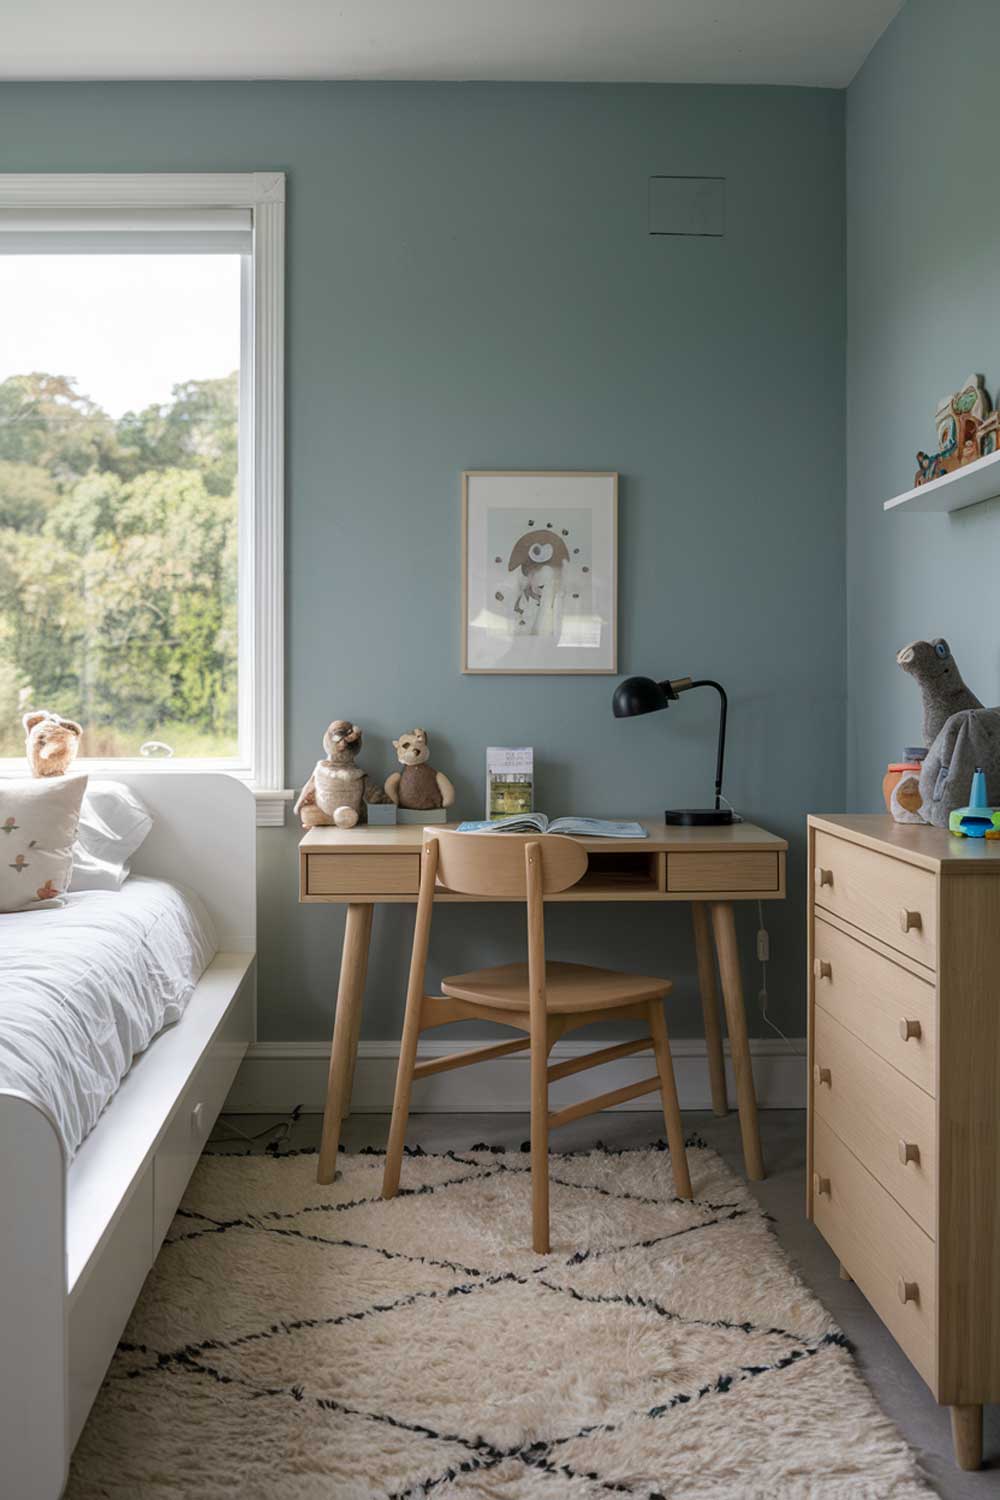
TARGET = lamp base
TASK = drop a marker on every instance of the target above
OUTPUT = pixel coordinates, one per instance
(698, 817)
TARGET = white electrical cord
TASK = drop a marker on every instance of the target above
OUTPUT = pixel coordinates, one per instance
(763, 954)
(736, 816)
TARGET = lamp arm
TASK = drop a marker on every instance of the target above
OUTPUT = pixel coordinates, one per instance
(723, 711)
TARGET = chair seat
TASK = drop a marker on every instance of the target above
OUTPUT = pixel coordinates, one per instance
(568, 987)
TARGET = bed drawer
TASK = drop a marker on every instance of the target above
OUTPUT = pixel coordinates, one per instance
(884, 1005)
(878, 1245)
(880, 1115)
(883, 896)
(197, 1110)
(103, 1298)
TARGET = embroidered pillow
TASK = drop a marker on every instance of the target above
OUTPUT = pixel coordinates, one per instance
(38, 823)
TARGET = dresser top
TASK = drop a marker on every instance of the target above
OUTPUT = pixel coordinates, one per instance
(919, 843)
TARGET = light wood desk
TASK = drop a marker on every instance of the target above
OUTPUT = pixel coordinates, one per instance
(709, 867)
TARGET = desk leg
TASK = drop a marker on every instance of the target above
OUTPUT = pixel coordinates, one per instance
(347, 1021)
(352, 1055)
(724, 928)
(705, 953)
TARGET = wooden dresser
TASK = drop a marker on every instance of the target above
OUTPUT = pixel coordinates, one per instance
(904, 1092)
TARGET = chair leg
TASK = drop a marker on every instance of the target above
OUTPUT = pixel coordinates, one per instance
(540, 1137)
(671, 1106)
(401, 1099)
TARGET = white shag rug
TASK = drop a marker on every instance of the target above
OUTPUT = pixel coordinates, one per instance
(298, 1342)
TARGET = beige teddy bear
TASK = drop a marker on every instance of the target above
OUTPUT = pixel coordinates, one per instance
(51, 742)
(338, 791)
(418, 785)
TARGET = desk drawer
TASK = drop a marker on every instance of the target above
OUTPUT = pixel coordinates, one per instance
(363, 874)
(876, 1112)
(723, 871)
(878, 1244)
(883, 896)
(883, 1004)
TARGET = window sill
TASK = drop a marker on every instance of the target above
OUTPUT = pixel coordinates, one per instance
(270, 802)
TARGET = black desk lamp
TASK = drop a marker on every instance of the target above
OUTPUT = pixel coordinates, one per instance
(641, 695)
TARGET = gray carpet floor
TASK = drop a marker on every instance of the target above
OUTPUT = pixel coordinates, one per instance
(900, 1391)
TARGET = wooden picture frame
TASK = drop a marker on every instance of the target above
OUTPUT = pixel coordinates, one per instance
(540, 591)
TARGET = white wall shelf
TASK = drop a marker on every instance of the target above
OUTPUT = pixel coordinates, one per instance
(968, 485)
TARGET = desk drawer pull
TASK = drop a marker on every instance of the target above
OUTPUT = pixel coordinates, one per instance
(821, 1185)
(909, 1030)
(823, 877)
(822, 1075)
(908, 1152)
(907, 1291)
(822, 968)
(909, 921)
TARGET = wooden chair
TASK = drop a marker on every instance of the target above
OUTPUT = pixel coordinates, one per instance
(545, 1000)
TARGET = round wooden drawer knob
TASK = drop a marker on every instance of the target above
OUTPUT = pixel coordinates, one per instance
(907, 1291)
(908, 1152)
(822, 968)
(822, 1075)
(909, 921)
(821, 1185)
(909, 1030)
(823, 877)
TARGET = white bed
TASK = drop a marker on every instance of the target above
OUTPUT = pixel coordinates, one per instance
(83, 990)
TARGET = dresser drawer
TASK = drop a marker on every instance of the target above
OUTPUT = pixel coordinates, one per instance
(883, 1004)
(877, 1113)
(878, 1244)
(883, 896)
(362, 874)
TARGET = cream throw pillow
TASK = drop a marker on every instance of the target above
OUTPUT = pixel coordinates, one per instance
(38, 822)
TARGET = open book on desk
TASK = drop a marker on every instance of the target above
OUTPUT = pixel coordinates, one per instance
(585, 828)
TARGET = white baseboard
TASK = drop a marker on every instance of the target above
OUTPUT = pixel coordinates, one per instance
(276, 1076)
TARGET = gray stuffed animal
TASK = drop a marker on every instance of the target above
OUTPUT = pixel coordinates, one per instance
(941, 684)
(969, 741)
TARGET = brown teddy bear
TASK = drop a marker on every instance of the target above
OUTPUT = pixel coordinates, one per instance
(51, 742)
(338, 792)
(418, 785)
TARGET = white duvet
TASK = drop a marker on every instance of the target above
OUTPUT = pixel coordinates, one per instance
(85, 987)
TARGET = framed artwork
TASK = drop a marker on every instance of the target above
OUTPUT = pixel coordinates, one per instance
(539, 572)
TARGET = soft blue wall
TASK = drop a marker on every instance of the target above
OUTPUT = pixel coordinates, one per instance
(471, 284)
(923, 216)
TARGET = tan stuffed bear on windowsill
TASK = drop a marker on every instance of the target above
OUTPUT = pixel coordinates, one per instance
(51, 742)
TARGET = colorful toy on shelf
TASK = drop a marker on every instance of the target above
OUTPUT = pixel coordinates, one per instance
(967, 429)
(978, 820)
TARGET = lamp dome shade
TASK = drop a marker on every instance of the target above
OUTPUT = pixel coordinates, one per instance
(638, 695)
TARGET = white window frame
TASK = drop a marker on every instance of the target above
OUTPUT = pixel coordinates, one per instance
(261, 762)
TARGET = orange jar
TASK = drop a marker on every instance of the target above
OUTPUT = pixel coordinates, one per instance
(894, 774)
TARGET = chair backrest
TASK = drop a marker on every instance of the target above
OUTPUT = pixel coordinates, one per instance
(493, 864)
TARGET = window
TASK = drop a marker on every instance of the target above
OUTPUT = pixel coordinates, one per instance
(141, 469)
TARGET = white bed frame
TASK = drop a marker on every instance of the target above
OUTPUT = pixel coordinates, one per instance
(77, 1242)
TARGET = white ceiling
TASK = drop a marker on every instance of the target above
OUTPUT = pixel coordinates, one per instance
(819, 42)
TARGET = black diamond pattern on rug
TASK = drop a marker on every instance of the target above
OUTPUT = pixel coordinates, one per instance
(297, 1341)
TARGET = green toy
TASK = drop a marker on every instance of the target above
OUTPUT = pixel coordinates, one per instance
(978, 820)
